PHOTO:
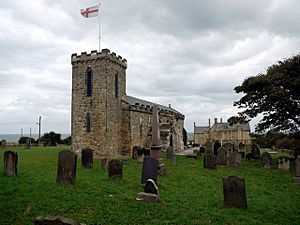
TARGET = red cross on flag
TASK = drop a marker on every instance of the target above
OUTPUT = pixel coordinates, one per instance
(90, 12)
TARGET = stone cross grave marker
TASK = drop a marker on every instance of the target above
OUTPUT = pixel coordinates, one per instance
(155, 145)
(221, 157)
(266, 160)
(297, 177)
(115, 169)
(87, 158)
(66, 167)
(10, 163)
(234, 191)
(150, 166)
(284, 163)
(209, 161)
(234, 159)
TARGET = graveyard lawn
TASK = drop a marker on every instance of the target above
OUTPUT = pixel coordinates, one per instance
(189, 194)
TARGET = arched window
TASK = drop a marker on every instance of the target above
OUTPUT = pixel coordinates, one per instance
(88, 122)
(89, 81)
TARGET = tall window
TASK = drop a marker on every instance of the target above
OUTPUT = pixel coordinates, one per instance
(116, 85)
(89, 80)
(141, 126)
(88, 122)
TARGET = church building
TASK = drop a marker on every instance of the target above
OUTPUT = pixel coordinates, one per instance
(105, 118)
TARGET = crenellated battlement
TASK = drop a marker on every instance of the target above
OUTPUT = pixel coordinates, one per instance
(95, 55)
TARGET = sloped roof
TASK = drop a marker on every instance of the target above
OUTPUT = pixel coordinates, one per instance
(140, 102)
(226, 126)
(201, 129)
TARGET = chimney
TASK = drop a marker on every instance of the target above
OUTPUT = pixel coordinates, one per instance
(194, 124)
(169, 105)
(209, 122)
(220, 120)
(216, 120)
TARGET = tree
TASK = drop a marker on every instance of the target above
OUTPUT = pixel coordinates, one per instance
(23, 140)
(51, 138)
(275, 95)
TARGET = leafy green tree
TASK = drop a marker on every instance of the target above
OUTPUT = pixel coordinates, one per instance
(275, 95)
(66, 141)
(51, 138)
(23, 140)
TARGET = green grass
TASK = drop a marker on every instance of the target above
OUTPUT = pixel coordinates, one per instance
(189, 194)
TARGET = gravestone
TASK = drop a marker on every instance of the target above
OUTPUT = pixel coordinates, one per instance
(115, 169)
(234, 191)
(150, 187)
(10, 163)
(196, 152)
(57, 220)
(155, 144)
(234, 159)
(229, 147)
(140, 155)
(255, 152)
(147, 152)
(221, 158)
(173, 160)
(134, 152)
(104, 163)
(3, 144)
(87, 158)
(202, 150)
(209, 161)
(149, 171)
(266, 160)
(66, 167)
(217, 145)
(284, 163)
(169, 152)
(297, 177)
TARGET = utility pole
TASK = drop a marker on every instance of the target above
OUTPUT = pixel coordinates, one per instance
(30, 138)
(40, 124)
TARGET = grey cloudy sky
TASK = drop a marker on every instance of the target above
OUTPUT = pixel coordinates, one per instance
(190, 54)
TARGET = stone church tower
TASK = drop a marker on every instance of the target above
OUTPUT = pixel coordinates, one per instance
(98, 87)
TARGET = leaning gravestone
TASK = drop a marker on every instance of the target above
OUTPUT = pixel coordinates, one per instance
(150, 187)
(87, 158)
(150, 166)
(66, 167)
(115, 169)
(297, 177)
(10, 163)
(234, 191)
(57, 220)
(266, 160)
(209, 161)
(150, 194)
(234, 159)
(221, 156)
(284, 163)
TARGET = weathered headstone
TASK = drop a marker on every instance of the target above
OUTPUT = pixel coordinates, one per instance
(173, 160)
(217, 145)
(147, 152)
(266, 160)
(234, 159)
(57, 220)
(209, 161)
(134, 152)
(10, 163)
(229, 147)
(284, 163)
(115, 169)
(104, 163)
(297, 177)
(140, 155)
(66, 167)
(255, 152)
(221, 158)
(3, 144)
(169, 152)
(234, 191)
(150, 167)
(87, 158)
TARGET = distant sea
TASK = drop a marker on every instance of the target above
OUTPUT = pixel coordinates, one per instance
(16, 137)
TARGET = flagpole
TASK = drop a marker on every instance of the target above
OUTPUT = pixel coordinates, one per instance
(99, 28)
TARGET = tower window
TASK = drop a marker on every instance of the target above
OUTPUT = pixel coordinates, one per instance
(116, 85)
(89, 79)
(88, 122)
